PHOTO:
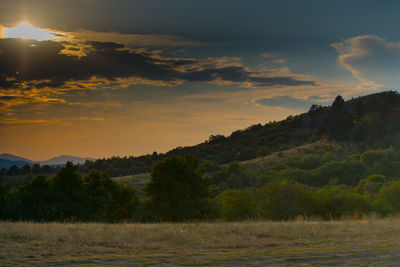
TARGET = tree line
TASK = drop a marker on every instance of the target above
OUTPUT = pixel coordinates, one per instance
(179, 191)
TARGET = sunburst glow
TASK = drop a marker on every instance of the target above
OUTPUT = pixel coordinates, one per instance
(27, 31)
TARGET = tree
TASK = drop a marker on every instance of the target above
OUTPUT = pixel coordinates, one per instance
(100, 189)
(177, 190)
(68, 195)
(109, 201)
(4, 190)
(338, 103)
(29, 201)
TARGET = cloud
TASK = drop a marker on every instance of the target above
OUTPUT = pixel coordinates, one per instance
(289, 102)
(27, 64)
(270, 55)
(133, 40)
(19, 122)
(4, 122)
(280, 61)
(371, 59)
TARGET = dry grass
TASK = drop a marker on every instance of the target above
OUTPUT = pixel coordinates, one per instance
(360, 242)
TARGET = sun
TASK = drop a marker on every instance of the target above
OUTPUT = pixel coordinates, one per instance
(27, 31)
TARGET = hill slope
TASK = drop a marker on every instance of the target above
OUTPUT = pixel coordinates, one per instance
(372, 120)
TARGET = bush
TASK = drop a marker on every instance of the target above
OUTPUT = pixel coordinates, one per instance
(388, 197)
(237, 205)
(283, 200)
(339, 201)
(371, 185)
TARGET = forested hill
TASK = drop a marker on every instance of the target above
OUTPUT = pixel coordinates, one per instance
(371, 120)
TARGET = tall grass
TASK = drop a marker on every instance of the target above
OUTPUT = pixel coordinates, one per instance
(51, 241)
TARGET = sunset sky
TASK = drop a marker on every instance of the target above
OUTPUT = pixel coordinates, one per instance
(99, 78)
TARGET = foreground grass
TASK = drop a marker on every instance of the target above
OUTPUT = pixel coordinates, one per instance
(360, 242)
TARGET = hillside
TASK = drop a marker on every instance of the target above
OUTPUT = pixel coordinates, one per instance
(371, 120)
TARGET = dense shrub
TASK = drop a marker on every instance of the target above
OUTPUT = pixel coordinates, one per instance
(237, 205)
(283, 200)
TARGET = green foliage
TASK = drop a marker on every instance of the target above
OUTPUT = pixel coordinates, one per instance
(263, 151)
(237, 205)
(177, 190)
(388, 197)
(108, 200)
(233, 177)
(125, 202)
(283, 200)
(30, 201)
(68, 197)
(370, 157)
(343, 172)
(371, 185)
(338, 201)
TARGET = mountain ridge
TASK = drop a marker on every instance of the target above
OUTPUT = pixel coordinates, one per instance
(7, 160)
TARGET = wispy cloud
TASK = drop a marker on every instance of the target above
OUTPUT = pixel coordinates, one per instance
(270, 55)
(280, 61)
(371, 59)
(25, 122)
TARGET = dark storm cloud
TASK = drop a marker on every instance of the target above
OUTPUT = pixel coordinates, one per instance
(33, 64)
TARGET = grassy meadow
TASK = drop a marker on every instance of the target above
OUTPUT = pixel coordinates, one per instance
(351, 242)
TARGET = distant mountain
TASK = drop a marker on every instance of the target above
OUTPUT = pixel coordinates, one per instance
(61, 160)
(8, 160)
(5, 163)
(11, 157)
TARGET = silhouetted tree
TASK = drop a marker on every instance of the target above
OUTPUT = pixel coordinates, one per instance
(177, 190)
(68, 195)
(338, 103)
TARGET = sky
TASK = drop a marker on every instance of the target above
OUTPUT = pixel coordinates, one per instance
(102, 78)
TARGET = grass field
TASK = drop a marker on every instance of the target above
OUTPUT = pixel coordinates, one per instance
(361, 242)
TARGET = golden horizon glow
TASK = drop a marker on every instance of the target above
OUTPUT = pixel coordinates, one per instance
(25, 30)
